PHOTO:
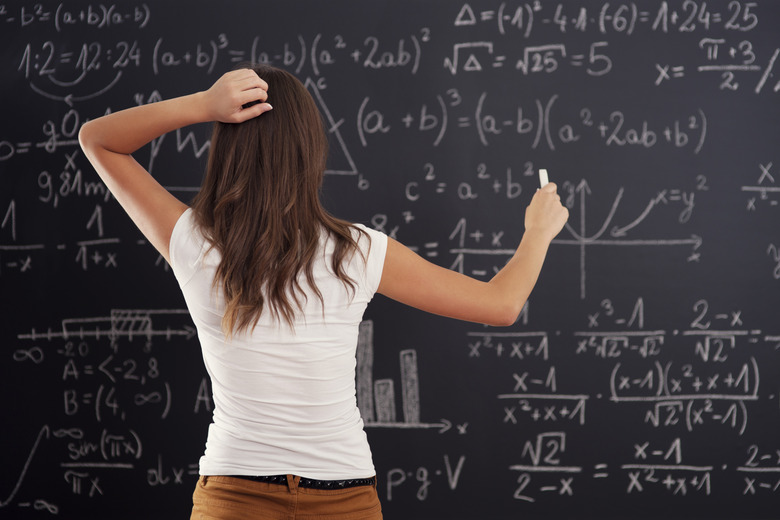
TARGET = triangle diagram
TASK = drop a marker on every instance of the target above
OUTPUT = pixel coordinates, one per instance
(339, 160)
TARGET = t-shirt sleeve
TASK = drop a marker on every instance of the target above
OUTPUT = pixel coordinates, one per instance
(375, 250)
(185, 247)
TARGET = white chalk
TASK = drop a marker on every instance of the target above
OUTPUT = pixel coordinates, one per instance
(543, 180)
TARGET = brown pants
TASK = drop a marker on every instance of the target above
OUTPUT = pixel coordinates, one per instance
(228, 498)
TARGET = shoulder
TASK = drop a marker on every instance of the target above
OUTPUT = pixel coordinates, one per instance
(187, 243)
(367, 263)
(183, 228)
(371, 242)
(361, 232)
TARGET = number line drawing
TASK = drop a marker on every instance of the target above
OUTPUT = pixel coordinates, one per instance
(121, 323)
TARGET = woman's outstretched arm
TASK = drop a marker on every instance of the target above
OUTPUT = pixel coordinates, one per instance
(109, 140)
(410, 279)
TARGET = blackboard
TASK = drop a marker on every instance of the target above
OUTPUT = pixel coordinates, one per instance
(642, 378)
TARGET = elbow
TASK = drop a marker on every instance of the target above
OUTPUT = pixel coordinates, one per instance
(504, 304)
(504, 321)
(86, 138)
(507, 314)
(90, 141)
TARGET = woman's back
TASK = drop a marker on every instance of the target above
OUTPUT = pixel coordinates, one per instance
(284, 396)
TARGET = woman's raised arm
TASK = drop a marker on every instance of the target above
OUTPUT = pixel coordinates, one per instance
(109, 140)
(410, 279)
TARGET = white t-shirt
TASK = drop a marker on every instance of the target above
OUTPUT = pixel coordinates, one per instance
(284, 400)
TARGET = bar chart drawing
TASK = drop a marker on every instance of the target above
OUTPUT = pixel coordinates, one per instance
(377, 398)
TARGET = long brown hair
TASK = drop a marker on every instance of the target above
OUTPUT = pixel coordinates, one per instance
(259, 206)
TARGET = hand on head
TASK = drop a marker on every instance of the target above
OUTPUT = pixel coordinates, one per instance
(237, 96)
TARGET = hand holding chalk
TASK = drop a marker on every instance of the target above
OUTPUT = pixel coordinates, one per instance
(546, 214)
(543, 180)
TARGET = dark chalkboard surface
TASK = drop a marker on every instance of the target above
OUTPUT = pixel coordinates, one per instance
(642, 379)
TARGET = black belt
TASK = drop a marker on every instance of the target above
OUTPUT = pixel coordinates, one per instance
(311, 483)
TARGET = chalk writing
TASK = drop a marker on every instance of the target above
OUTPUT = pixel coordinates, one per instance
(640, 377)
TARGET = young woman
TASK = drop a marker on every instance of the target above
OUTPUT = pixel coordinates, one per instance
(277, 287)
